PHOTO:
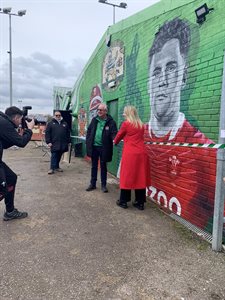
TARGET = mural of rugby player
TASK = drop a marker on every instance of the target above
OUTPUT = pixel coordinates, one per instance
(95, 100)
(183, 178)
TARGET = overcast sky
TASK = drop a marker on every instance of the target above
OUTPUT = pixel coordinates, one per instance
(51, 44)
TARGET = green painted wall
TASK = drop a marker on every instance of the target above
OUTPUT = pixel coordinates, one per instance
(201, 101)
(61, 97)
(191, 188)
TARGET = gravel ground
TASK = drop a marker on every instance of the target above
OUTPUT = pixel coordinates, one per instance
(80, 245)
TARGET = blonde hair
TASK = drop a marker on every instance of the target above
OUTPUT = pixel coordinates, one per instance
(131, 115)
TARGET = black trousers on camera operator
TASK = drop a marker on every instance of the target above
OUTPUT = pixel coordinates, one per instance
(9, 136)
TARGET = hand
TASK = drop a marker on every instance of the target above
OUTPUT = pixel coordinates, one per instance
(49, 145)
(30, 125)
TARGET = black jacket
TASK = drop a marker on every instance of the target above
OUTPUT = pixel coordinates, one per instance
(108, 134)
(58, 134)
(9, 136)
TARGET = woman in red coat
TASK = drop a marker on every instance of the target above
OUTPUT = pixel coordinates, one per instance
(135, 166)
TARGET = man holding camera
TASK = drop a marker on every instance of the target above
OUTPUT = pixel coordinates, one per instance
(9, 137)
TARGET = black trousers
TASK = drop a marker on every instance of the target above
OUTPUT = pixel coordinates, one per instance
(125, 196)
(96, 155)
(11, 179)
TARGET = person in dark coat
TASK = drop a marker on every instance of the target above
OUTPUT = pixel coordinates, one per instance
(9, 137)
(99, 144)
(135, 165)
(57, 137)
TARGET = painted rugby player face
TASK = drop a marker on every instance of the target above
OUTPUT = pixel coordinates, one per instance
(166, 78)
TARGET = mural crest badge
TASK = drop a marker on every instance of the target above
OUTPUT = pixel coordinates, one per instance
(173, 166)
(113, 66)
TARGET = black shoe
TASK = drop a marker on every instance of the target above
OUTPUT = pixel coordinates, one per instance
(91, 188)
(15, 214)
(121, 204)
(104, 189)
(138, 205)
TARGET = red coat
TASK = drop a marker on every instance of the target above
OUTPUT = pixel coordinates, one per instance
(135, 165)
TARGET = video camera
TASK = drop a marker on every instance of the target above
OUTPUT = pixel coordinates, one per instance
(25, 117)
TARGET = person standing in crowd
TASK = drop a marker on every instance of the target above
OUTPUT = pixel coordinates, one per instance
(135, 165)
(99, 144)
(9, 137)
(57, 137)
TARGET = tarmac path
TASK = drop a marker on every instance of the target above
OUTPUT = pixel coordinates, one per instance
(80, 245)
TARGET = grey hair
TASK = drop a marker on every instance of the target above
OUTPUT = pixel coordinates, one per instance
(104, 106)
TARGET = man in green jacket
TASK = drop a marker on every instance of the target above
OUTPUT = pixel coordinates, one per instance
(99, 144)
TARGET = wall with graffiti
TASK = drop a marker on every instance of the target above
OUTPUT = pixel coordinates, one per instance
(178, 177)
(170, 67)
